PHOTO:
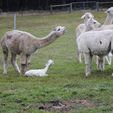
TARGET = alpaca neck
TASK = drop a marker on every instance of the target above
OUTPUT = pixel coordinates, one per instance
(108, 20)
(85, 20)
(88, 28)
(47, 67)
(39, 43)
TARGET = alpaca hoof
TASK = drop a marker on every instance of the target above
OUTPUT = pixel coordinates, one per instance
(46, 74)
(5, 73)
(87, 74)
(112, 75)
(18, 71)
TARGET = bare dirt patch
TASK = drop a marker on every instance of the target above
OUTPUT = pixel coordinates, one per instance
(64, 106)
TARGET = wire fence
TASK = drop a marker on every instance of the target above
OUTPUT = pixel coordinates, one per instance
(92, 5)
(81, 6)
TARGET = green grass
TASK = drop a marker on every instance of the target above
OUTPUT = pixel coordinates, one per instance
(66, 79)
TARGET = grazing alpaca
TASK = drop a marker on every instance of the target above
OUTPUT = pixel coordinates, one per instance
(25, 44)
(89, 25)
(81, 27)
(39, 72)
(101, 44)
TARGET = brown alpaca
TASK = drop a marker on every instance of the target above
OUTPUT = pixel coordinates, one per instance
(25, 44)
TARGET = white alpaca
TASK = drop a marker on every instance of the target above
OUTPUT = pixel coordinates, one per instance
(40, 72)
(25, 44)
(109, 18)
(89, 25)
(106, 25)
(82, 27)
(101, 44)
(108, 21)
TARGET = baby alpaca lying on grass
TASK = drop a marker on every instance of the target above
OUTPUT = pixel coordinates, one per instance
(39, 72)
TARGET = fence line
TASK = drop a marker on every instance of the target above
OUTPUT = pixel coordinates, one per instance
(71, 7)
(85, 2)
(61, 5)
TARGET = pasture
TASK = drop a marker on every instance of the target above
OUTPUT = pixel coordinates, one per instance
(66, 84)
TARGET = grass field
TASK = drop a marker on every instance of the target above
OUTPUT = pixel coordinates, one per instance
(66, 81)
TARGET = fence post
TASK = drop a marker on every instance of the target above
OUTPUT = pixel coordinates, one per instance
(97, 6)
(71, 9)
(84, 5)
(14, 21)
(51, 9)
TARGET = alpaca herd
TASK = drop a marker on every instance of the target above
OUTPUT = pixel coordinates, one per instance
(92, 38)
(97, 41)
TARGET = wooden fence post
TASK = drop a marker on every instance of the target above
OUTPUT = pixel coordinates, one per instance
(71, 8)
(14, 21)
(97, 6)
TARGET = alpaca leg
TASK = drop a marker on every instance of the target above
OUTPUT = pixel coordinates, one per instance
(13, 61)
(101, 63)
(110, 55)
(80, 57)
(23, 63)
(5, 61)
(88, 62)
(28, 60)
(97, 63)
(108, 60)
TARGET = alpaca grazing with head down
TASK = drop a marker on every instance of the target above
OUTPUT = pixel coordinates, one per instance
(25, 44)
(40, 72)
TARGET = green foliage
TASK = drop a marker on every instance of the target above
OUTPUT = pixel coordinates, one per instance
(66, 79)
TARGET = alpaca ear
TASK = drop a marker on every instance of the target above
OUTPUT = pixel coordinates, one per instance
(82, 17)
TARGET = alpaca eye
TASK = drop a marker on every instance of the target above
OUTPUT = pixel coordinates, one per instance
(94, 22)
(59, 29)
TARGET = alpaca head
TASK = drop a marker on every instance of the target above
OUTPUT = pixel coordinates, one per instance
(92, 23)
(87, 16)
(50, 61)
(59, 30)
(109, 11)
